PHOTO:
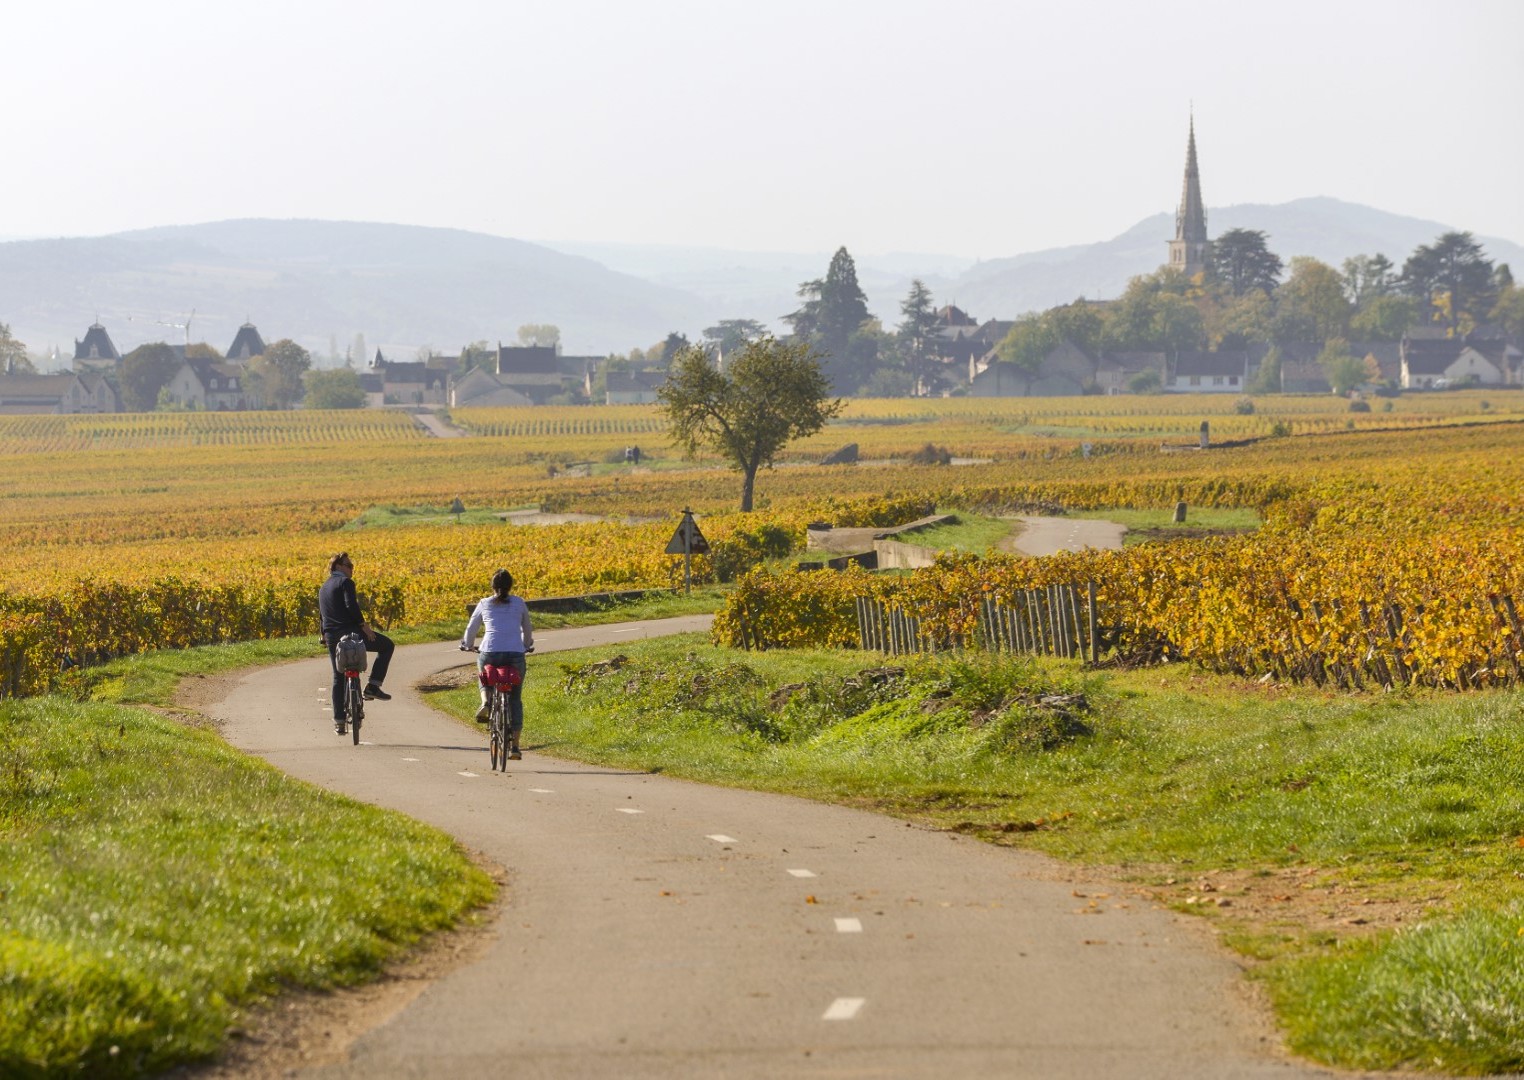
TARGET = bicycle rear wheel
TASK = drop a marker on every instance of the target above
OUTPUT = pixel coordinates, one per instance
(356, 708)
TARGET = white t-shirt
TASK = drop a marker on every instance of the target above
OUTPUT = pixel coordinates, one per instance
(507, 625)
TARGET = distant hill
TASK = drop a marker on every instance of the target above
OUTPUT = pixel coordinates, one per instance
(761, 285)
(1324, 228)
(322, 281)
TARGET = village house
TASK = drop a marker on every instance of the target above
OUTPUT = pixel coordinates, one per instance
(1066, 370)
(67, 392)
(535, 371)
(96, 352)
(411, 382)
(1210, 373)
(1437, 363)
(247, 344)
(374, 389)
(1115, 372)
(632, 387)
(480, 388)
(203, 383)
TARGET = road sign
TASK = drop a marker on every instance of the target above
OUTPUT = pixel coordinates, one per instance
(687, 540)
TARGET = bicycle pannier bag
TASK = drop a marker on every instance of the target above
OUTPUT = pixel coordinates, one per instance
(349, 653)
(502, 676)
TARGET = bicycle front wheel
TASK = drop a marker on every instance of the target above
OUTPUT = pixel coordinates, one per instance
(497, 724)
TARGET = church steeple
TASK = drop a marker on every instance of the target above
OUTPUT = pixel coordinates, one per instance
(1190, 249)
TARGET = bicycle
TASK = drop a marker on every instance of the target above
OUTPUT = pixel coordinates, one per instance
(500, 681)
(349, 656)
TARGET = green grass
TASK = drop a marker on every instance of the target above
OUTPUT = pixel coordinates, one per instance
(154, 882)
(973, 533)
(1146, 525)
(1416, 800)
(1449, 996)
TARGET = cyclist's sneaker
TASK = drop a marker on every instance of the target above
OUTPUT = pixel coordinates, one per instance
(374, 692)
(482, 714)
(340, 728)
(514, 755)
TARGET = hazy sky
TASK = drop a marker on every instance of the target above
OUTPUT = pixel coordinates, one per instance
(970, 127)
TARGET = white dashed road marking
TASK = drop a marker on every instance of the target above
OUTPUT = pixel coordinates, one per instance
(849, 926)
(542, 791)
(844, 1009)
(721, 838)
(803, 873)
(409, 759)
(628, 810)
(467, 772)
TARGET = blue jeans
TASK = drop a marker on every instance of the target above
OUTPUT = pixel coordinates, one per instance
(516, 695)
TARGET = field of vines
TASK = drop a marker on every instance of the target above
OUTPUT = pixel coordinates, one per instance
(1405, 568)
(126, 532)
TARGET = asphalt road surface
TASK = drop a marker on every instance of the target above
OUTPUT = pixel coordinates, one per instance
(1048, 535)
(660, 928)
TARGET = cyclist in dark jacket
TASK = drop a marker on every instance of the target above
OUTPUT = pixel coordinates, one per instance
(340, 610)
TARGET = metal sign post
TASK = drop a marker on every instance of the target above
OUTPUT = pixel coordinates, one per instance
(687, 541)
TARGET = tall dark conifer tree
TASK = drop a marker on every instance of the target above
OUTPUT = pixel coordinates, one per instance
(834, 309)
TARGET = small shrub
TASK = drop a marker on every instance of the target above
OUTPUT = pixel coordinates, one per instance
(1359, 406)
(1244, 407)
(1280, 429)
(744, 549)
(1386, 406)
(931, 454)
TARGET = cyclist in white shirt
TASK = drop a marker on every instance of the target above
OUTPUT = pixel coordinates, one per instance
(508, 637)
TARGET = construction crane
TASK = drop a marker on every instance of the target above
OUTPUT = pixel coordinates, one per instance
(180, 326)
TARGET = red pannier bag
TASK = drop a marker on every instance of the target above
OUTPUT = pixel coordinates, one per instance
(502, 676)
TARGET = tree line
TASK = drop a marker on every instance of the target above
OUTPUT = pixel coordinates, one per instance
(1247, 295)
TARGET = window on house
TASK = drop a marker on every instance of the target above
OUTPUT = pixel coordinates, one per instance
(212, 384)
(1195, 380)
(1232, 380)
(1216, 380)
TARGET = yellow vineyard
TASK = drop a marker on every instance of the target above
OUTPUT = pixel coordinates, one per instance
(133, 531)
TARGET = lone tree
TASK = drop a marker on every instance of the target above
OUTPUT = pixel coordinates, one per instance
(769, 394)
(833, 311)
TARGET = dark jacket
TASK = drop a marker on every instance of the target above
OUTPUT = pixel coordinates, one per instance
(339, 607)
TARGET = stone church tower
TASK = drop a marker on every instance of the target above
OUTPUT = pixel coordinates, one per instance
(1190, 249)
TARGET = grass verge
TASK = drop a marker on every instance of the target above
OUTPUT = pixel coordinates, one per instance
(1365, 850)
(973, 533)
(154, 881)
(1146, 525)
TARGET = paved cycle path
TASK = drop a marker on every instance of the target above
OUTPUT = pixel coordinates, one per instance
(1048, 535)
(660, 928)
